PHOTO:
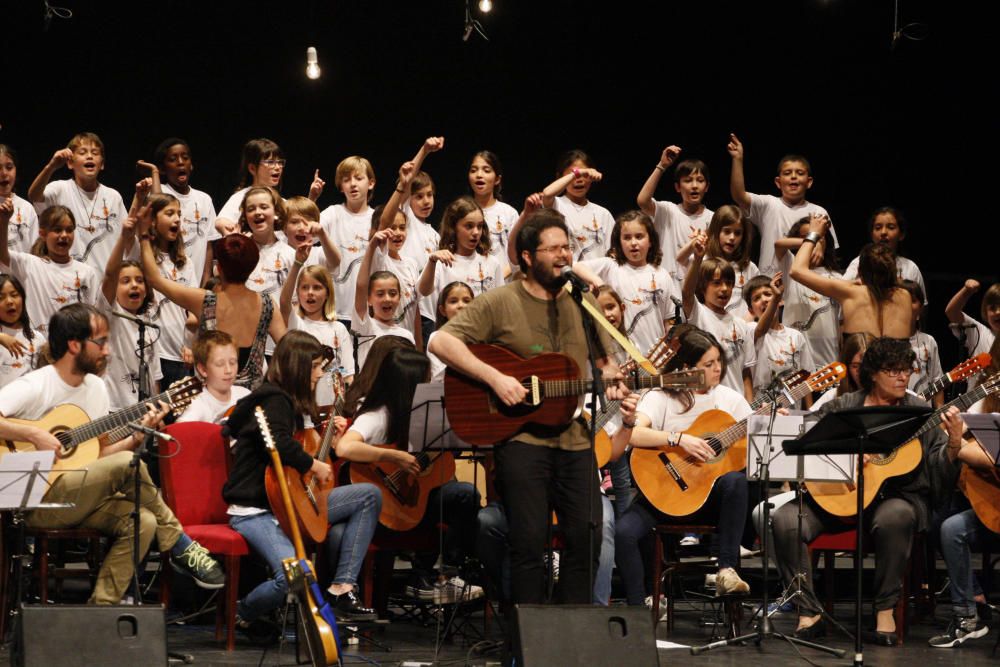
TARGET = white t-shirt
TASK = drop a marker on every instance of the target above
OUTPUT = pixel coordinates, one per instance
(231, 209)
(500, 219)
(589, 226)
(737, 305)
(927, 366)
(645, 291)
(975, 336)
(22, 230)
(674, 225)
(481, 273)
(373, 427)
(98, 214)
(421, 240)
(33, 394)
(12, 367)
(122, 374)
(171, 317)
(666, 412)
(334, 334)
(207, 408)
(408, 272)
(50, 286)
(774, 218)
(778, 351)
(349, 232)
(270, 274)
(368, 329)
(815, 315)
(197, 226)
(438, 367)
(736, 337)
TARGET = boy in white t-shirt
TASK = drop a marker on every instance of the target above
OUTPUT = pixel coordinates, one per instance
(774, 216)
(675, 223)
(97, 209)
(215, 360)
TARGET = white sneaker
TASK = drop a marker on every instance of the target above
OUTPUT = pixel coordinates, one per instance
(663, 605)
(710, 580)
(690, 540)
(454, 590)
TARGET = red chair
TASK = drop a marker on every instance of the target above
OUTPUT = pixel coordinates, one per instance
(192, 486)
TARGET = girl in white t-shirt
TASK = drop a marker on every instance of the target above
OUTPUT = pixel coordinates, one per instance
(633, 269)
(316, 313)
(730, 236)
(19, 343)
(887, 226)
(452, 300)
(50, 274)
(23, 219)
(384, 253)
(486, 182)
(589, 224)
(262, 164)
(374, 314)
(463, 253)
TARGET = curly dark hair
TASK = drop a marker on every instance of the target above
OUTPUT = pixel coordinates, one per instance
(885, 354)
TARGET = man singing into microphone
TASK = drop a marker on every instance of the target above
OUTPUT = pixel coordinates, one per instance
(538, 470)
(103, 499)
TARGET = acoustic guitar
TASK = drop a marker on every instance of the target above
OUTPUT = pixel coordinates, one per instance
(966, 369)
(677, 484)
(315, 615)
(80, 436)
(840, 498)
(554, 387)
(404, 496)
(982, 488)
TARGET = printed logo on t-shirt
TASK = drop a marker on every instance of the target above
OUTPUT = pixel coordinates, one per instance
(787, 356)
(732, 343)
(101, 224)
(357, 247)
(589, 238)
(193, 226)
(19, 228)
(70, 293)
(498, 237)
(921, 366)
(651, 297)
(19, 365)
(274, 274)
(479, 281)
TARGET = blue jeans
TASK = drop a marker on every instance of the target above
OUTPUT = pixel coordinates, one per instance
(356, 507)
(959, 533)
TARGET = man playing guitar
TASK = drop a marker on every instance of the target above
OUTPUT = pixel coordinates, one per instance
(537, 469)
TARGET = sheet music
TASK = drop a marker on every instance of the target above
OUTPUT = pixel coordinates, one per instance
(429, 427)
(15, 474)
(784, 468)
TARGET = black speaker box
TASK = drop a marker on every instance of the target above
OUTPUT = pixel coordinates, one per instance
(551, 635)
(89, 635)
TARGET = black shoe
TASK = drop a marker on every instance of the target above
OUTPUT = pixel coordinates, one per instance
(196, 563)
(347, 607)
(879, 638)
(260, 631)
(814, 631)
(961, 629)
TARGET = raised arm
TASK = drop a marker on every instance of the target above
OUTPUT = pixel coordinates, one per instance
(365, 271)
(188, 298)
(840, 290)
(316, 187)
(691, 278)
(426, 284)
(109, 286)
(645, 198)
(954, 310)
(6, 210)
(36, 191)
(555, 187)
(330, 251)
(154, 176)
(767, 318)
(737, 185)
(288, 289)
(531, 204)
(407, 171)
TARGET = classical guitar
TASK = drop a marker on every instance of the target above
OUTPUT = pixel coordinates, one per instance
(554, 387)
(662, 352)
(840, 498)
(80, 436)
(677, 484)
(404, 496)
(982, 488)
(315, 615)
(966, 369)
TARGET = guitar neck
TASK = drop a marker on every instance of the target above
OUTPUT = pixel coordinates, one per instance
(557, 388)
(934, 387)
(114, 421)
(738, 431)
(963, 403)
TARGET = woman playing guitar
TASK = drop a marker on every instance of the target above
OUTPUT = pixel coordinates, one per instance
(661, 418)
(286, 397)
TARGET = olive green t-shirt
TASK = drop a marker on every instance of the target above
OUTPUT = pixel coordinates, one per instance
(526, 325)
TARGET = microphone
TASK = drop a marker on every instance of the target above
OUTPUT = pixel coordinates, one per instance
(133, 318)
(576, 281)
(135, 426)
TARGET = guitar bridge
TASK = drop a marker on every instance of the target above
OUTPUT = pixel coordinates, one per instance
(672, 471)
(534, 396)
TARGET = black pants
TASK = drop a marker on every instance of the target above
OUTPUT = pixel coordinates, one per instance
(532, 479)
(890, 522)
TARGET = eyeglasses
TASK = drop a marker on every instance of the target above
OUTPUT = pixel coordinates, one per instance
(99, 342)
(273, 163)
(896, 372)
(554, 249)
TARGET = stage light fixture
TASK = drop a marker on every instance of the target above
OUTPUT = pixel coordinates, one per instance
(312, 63)
(485, 6)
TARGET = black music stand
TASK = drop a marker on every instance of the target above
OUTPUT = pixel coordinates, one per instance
(860, 431)
(985, 429)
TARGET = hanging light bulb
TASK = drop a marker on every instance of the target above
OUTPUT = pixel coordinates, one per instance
(312, 63)
(485, 6)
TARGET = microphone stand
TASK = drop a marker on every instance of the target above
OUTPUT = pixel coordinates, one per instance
(146, 445)
(596, 398)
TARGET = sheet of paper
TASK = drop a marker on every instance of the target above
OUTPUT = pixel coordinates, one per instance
(15, 469)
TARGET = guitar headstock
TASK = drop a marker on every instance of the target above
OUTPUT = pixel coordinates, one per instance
(659, 355)
(181, 393)
(827, 376)
(265, 428)
(692, 379)
(970, 367)
(794, 378)
(990, 385)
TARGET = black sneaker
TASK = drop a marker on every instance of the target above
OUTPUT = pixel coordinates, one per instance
(960, 629)
(260, 631)
(197, 564)
(347, 607)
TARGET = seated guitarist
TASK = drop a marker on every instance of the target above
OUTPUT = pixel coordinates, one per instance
(537, 471)
(661, 418)
(286, 396)
(78, 341)
(898, 511)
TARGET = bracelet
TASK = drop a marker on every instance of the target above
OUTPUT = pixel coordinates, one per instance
(576, 172)
(297, 263)
(627, 425)
(661, 168)
(400, 190)
(144, 237)
(812, 237)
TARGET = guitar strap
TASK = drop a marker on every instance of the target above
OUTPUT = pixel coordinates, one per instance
(626, 344)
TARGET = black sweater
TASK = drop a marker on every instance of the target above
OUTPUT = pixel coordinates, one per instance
(245, 485)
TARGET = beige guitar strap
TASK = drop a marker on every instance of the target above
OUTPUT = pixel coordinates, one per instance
(626, 344)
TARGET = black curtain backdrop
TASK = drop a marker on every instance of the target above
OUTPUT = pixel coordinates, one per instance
(909, 126)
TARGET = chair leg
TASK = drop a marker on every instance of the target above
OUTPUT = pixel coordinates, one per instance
(43, 568)
(368, 578)
(232, 592)
(166, 579)
(829, 576)
(657, 582)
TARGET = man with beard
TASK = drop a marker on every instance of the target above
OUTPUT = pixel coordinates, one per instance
(103, 499)
(538, 471)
